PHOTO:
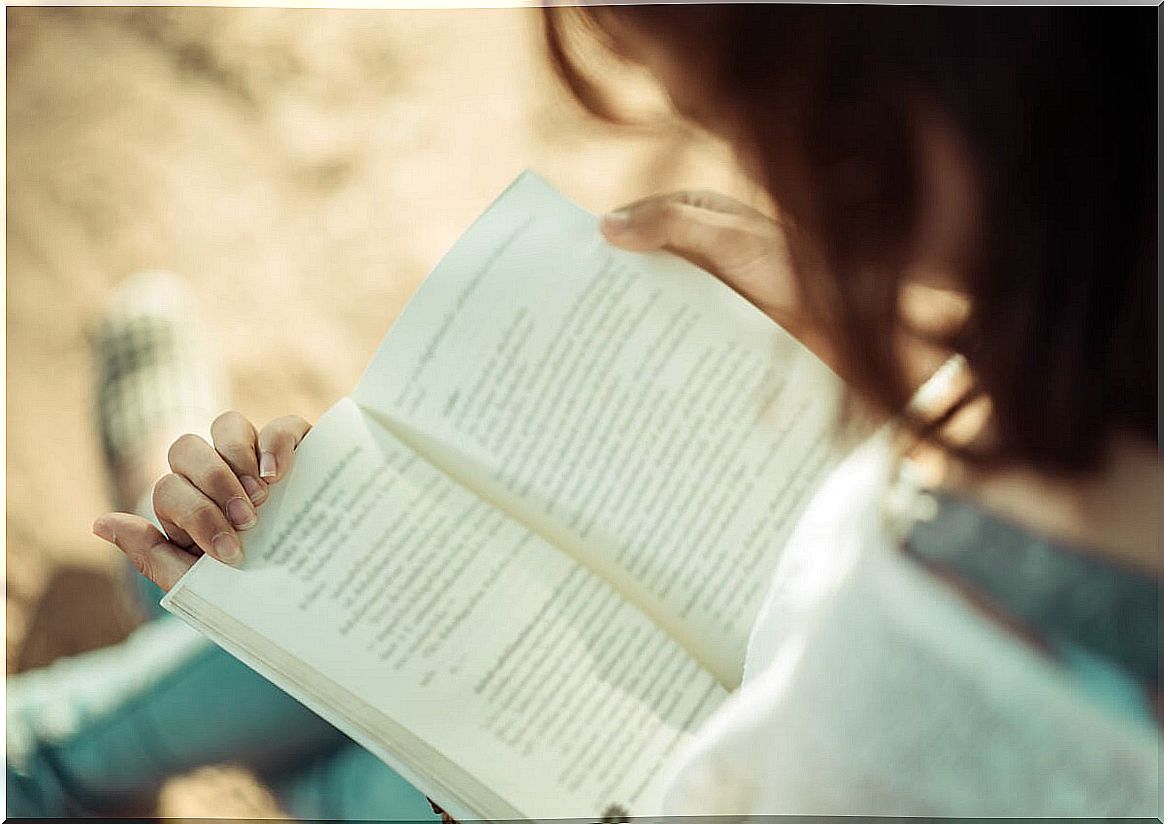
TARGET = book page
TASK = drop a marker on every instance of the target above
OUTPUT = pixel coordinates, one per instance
(630, 407)
(500, 670)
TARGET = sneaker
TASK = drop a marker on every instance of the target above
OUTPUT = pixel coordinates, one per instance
(159, 375)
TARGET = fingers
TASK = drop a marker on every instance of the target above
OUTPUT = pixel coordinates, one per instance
(666, 221)
(202, 465)
(212, 492)
(277, 442)
(705, 199)
(659, 220)
(146, 547)
(181, 505)
(236, 441)
(718, 202)
(709, 229)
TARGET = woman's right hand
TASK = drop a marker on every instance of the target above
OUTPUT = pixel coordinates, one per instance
(212, 493)
(741, 246)
(744, 248)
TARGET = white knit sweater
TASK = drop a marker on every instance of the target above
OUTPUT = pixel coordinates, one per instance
(871, 688)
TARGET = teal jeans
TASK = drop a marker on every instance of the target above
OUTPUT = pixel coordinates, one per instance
(100, 732)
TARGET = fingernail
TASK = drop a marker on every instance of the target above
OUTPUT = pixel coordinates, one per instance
(267, 466)
(615, 221)
(241, 513)
(226, 548)
(255, 490)
(103, 530)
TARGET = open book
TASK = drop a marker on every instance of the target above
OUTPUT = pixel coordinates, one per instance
(521, 562)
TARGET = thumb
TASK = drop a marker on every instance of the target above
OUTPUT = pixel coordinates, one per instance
(703, 236)
(145, 545)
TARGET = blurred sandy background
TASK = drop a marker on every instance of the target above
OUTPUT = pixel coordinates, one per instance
(303, 169)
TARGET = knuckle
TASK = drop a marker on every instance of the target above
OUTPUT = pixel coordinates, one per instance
(165, 488)
(634, 211)
(240, 458)
(290, 423)
(725, 240)
(284, 432)
(141, 563)
(222, 480)
(183, 446)
(672, 211)
(228, 421)
(205, 518)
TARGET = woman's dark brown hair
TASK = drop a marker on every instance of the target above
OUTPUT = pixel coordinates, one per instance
(1057, 107)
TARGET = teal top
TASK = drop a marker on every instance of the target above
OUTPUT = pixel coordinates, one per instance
(1099, 619)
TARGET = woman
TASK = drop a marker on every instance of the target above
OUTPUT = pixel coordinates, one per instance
(966, 621)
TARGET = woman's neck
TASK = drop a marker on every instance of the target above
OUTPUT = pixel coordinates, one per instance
(1113, 512)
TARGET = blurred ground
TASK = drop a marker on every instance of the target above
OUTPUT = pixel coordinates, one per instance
(304, 169)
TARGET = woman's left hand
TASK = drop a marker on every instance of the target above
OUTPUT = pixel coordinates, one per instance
(211, 494)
